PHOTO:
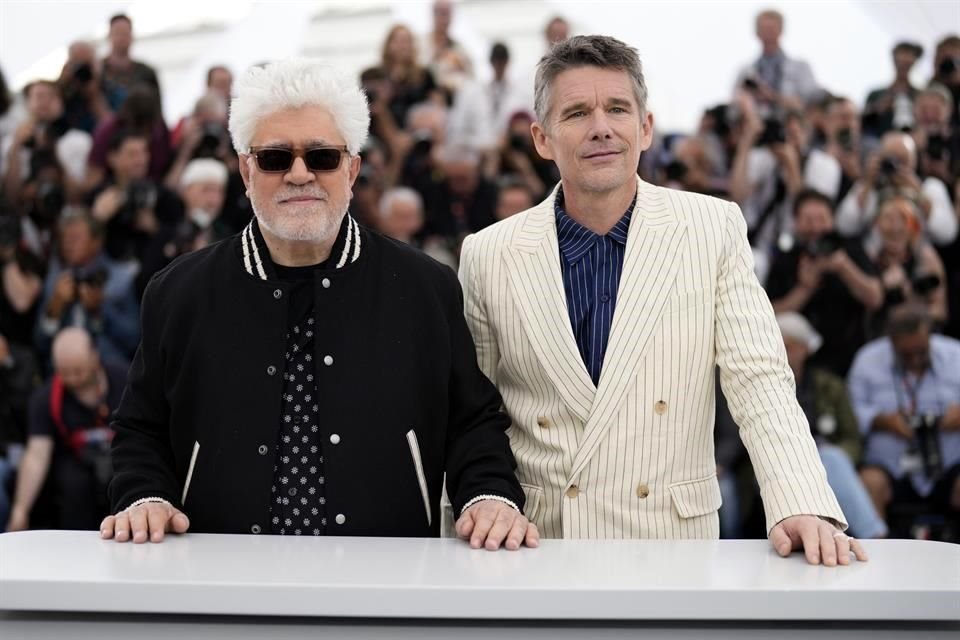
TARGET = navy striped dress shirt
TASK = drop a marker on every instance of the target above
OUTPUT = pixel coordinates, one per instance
(591, 266)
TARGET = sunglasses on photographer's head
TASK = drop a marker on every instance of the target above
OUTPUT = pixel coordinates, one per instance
(280, 159)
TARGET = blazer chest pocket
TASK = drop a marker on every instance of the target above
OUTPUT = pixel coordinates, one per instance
(692, 498)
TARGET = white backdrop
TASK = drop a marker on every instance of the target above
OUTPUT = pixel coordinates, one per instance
(690, 49)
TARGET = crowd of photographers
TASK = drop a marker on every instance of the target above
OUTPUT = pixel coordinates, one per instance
(852, 208)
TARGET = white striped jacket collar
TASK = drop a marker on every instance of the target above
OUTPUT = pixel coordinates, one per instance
(255, 254)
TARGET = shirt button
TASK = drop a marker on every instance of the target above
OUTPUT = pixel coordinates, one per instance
(271, 370)
(334, 438)
(325, 283)
(255, 529)
(340, 518)
(292, 491)
(543, 422)
(328, 360)
(262, 449)
(277, 293)
(660, 407)
(605, 297)
(643, 490)
(573, 491)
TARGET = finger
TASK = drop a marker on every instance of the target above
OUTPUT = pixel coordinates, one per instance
(122, 527)
(781, 541)
(501, 527)
(532, 538)
(107, 527)
(465, 525)
(857, 549)
(483, 521)
(138, 524)
(828, 544)
(179, 523)
(157, 519)
(810, 539)
(843, 549)
(516, 534)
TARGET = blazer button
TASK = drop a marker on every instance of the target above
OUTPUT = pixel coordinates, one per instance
(255, 529)
(660, 407)
(334, 438)
(328, 360)
(262, 449)
(277, 294)
(573, 491)
(340, 518)
(271, 370)
(325, 283)
(543, 422)
(642, 490)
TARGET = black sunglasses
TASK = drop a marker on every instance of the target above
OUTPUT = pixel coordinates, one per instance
(280, 159)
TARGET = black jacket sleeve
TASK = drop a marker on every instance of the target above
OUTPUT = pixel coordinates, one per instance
(143, 460)
(479, 460)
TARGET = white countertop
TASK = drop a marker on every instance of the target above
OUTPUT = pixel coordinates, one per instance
(432, 578)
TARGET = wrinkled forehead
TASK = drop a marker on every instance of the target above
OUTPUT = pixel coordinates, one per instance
(591, 85)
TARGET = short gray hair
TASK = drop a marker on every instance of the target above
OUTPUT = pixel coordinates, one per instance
(581, 51)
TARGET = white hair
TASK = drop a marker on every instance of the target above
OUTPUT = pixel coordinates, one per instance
(203, 170)
(399, 194)
(292, 83)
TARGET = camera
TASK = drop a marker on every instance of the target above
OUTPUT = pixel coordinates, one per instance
(96, 277)
(141, 194)
(924, 453)
(518, 142)
(922, 285)
(774, 132)
(845, 139)
(889, 167)
(936, 146)
(823, 246)
(750, 84)
(675, 171)
(949, 66)
(83, 73)
(213, 137)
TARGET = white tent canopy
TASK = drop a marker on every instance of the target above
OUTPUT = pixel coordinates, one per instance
(691, 50)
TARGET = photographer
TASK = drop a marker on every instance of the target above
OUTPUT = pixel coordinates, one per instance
(938, 146)
(85, 104)
(946, 71)
(136, 211)
(891, 108)
(893, 169)
(843, 141)
(910, 268)
(84, 288)
(69, 439)
(202, 135)
(688, 166)
(45, 129)
(20, 282)
(773, 162)
(905, 390)
(828, 280)
(517, 156)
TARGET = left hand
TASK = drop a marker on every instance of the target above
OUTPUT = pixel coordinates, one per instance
(820, 541)
(490, 523)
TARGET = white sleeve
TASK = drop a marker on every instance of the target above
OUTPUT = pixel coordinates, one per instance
(822, 173)
(942, 223)
(851, 219)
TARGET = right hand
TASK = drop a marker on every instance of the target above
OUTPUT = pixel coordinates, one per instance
(147, 522)
(108, 204)
(894, 423)
(64, 293)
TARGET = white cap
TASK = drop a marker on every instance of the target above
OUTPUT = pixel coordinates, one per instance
(203, 170)
(795, 326)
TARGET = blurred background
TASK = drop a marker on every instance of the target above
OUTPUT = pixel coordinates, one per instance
(833, 125)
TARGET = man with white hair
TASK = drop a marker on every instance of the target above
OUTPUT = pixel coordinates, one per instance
(203, 187)
(308, 377)
(68, 437)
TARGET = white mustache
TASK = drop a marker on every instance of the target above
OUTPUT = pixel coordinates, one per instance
(300, 193)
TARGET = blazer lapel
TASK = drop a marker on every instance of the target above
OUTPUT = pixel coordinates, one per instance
(533, 266)
(650, 269)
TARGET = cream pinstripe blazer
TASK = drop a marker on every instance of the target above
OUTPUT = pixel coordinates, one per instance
(633, 457)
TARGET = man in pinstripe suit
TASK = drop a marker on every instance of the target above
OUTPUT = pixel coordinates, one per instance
(601, 313)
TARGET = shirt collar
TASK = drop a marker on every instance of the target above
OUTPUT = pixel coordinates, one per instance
(256, 257)
(576, 240)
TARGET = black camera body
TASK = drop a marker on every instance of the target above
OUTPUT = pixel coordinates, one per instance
(825, 245)
(926, 429)
(141, 194)
(936, 146)
(96, 277)
(774, 132)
